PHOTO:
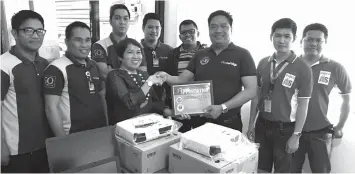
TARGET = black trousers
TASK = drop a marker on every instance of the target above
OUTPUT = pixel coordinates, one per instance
(273, 137)
(34, 162)
(317, 145)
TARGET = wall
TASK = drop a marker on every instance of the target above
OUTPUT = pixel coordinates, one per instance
(251, 29)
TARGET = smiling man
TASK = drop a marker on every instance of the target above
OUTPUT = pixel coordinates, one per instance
(328, 74)
(73, 86)
(180, 57)
(228, 66)
(156, 53)
(24, 126)
(285, 86)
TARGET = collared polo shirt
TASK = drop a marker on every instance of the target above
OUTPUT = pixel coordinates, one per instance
(159, 53)
(225, 70)
(104, 51)
(185, 56)
(327, 74)
(78, 87)
(294, 82)
(22, 111)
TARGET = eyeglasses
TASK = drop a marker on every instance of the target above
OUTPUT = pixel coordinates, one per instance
(185, 32)
(31, 31)
(311, 40)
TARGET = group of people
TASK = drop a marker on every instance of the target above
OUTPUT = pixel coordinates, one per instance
(125, 78)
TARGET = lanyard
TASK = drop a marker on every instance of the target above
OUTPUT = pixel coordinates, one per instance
(273, 75)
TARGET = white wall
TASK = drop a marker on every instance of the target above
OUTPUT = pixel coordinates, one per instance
(251, 29)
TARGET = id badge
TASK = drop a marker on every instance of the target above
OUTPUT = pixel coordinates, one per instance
(267, 106)
(91, 87)
(155, 62)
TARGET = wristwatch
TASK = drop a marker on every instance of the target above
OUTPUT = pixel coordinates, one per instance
(224, 108)
(298, 134)
(149, 83)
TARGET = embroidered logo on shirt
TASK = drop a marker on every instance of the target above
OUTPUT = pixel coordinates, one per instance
(288, 80)
(229, 63)
(204, 60)
(49, 81)
(324, 77)
(97, 52)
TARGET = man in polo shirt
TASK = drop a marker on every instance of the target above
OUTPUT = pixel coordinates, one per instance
(103, 51)
(285, 86)
(317, 132)
(24, 126)
(228, 66)
(156, 52)
(180, 57)
(72, 86)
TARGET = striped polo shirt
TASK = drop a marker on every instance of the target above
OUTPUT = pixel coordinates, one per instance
(327, 74)
(23, 117)
(185, 56)
(78, 87)
(294, 82)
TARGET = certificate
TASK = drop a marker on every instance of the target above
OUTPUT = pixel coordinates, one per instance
(192, 98)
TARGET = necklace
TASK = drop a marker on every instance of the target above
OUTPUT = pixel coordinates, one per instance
(135, 79)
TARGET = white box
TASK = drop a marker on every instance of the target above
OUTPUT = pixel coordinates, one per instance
(148, 157)
(210, 138)
(144, 128)
(187, 161)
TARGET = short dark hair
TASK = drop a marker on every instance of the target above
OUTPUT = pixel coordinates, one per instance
(70, 28)
(316, 26)
(150, 16)
(188, 22)
(285, 23)
(221, 13)
(121, 47)
(20, 17)
(118, 6)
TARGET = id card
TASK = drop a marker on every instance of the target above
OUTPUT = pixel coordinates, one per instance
(155, 62)
(267, 106)
(91, 87)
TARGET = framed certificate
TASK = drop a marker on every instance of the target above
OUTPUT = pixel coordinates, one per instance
(192, 98)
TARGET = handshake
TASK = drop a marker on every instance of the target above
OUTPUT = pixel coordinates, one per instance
(159, 78)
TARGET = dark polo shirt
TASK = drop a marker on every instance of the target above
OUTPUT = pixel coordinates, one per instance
(160, 53)
(80, 104)
(23, 117)
(294, 82)
(327, 74)
(104, 51)
(225, 70)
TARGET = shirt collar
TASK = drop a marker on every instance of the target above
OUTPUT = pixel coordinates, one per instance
(198, 47)
(75, 60)
(231, 46)
(322, 59)
(145, 46)
(23, 58)
(291, 58)
(113, 39)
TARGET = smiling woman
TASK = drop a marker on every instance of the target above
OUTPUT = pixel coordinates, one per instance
(128, 90)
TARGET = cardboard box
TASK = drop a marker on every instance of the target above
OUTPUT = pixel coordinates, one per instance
(123, 170)
(187, 161)
(147, 157)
